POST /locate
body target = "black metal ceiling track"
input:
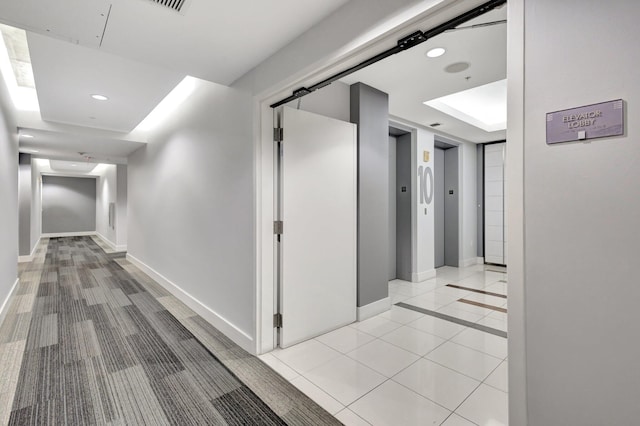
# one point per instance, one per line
(403, 44)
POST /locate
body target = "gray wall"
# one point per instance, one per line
(392, 208)
(8, 195)
(370, 111)
(191, 203)
(582, 210)
(438, 195)
(24, 206)
(451, 207)
(480, 198)
(68, 204)
(403, 208)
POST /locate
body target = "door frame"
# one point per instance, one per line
(265, 337)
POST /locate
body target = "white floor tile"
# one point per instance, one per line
(452, 291)
(437, 326)
(349, 418)
(499, 379)
(376, 326)
(345, 339)
(426, 301)
(401, 315)
(455, 420)
(397, 298)
(493, 323)
(306, 355)
(487, 299)
(440, 384)
(413, 340)
(464, 360)
(458, 313)
(278, 366)
(345, 379)
(483, 342)
(479, 310)
(486, 407)
(498, 315)
(322, 398)
(500, 288)
(383, 357)
(392, 404)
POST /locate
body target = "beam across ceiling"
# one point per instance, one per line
(403, 44)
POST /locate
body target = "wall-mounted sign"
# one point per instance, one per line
(586, 122)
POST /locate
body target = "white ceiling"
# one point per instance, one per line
(217, 41)
(135, 52)
(410, 78)
(67, 74)
(68, 146)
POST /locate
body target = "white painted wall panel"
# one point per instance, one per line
(495, 203)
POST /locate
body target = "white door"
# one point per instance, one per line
(318, 244)
(495, 228)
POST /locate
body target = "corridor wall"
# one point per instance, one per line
(191, 208)
(581, 210)
(9, 197)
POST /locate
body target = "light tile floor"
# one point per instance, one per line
(403, 367)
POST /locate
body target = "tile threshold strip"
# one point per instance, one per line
(482, 305)
(449, 318)
(475, 290)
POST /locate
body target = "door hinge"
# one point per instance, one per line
(278, 227)
(277, 321)
(278, 134)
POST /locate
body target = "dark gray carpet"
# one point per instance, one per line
(101, 349)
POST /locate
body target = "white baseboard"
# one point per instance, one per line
(417, 277)
(373, 309)
(5, 304)
(231, 331)
(471, 261)
(111, 245)
(30, 257)
(68, 234)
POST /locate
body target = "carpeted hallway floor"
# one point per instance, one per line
(98, 342)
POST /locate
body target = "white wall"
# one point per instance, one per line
(423, 224)
(191, 208)
(468, 204)
(9, 197)
(581, 210)
(106, 193)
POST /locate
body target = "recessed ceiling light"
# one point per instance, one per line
(73, 165)
(435, 52)
(27, 136)
(99, 97)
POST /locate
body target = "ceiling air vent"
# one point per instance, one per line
(435, 124)
(177, 5)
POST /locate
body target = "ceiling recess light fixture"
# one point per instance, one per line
(435, 52)
(99, 97)
(484, 106)
(26, 136)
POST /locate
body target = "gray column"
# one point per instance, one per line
(370, 111)
(24, 205)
